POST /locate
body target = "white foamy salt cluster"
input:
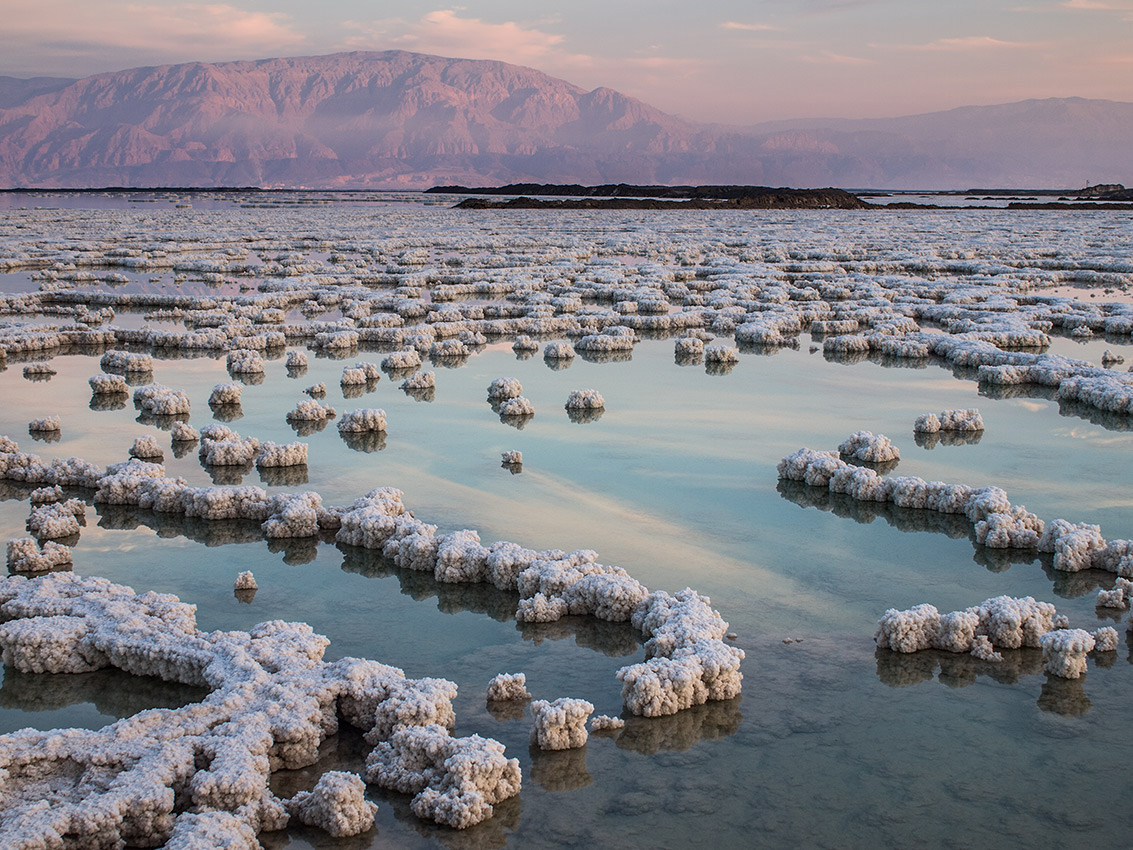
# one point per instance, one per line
(689, 347)
(26, 556)
(512, 457)
(518, 406)
(998, 523)
(504, 388)
(47, 423)
(54, 520)
(296, 360)
(558, 351)
(289, 454)
(408, 358)
(420, 381)
(246, 581)
(146, 448)
(273, 701)
(363, 419)
(606, 723)
(1065, 651)
(524, 343)
(508, 686)
(560, 724)
(588, 399)
(183, 432)
(316, 390)
(869, 448)
(221, 446)
(160, 400)
(968, 419)
(107, 384)
(244, 361)
(360, 373)
(1119, 597)
(125, 361)
(226, 393)
(721, 354)
(310, 411)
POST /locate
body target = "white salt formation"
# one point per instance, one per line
(26, 556)
(504, 388)
(124, 361)
(585, 400)
(869, 448)
(558, 351)
(296, 360)
(39, 370)
(43, 495)
(721, 354)
(605, 723)
(364, 419)
(245, 361)
(512, 457)
(316, 390)
(518, 406)
(183, 432)
(147, 448)
(310, 411)
(1064, 652)
(290, 454)
(47, 423)
(360, 373)
(107, 384)
(420, 381)
(161, 400)
(57, 519)
(506, 686)
(399, 360)
(561, 723)
(226, 393)
(949, 420)
(246, 581)
(273, 701)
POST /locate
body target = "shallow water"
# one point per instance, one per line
(832, 744)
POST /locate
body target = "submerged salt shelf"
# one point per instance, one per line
(676, 483)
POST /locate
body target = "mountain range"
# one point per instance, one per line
(406, 120)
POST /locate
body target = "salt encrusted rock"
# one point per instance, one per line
(508, 686)
(296, 360)
(25, 556)
(560, 724)
(47, 423)
(210, 830)
(908, 631)
(869, 448)
(310, 411)
(245, 361)
(364, 419)
(524, 343)
(513, 456)
(504, 388)
(721, 354)
(227, 393)
(1065, 650)
(58, 519)
(232, 450)
(398, 360)
(360, 373)
(44, 495)
(588, 399)
(949, 420)
(606, 723)
(336, 805)
(123, 361)
(456, 781)
(1106, 639)
(246, 581)
(107, 384)
(161, 400)
(1006, 622)
(316, 390)
(518, 406)
(689, 347)
(558, 351)
(289, 454)
(183, 432)
(147, 448)
(420, 381)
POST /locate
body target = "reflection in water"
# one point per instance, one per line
(619, 356)
(112, 691)
(557, 364)
(957, 669)
(184, 447)
(165, 423)
(880, 467)
(307, 427)
(477, 597)
(209, 532)
(687, 359)
(1107, 419)
(284, 476)
(359, 390)
(559, 770)
(1064, 696)
(518, 421)
(491, 834)
(583, 415)
(954, 526)
(505, 710)
(932, 439)
(683, 730)
(1008, 391)
(229, 473)
(108, 401)
(227, 412)
(296, 371)
(245, 595)
(613, 639)
(364, 441)
(449, 362)
(45, 436)
(425, 394)
(718, 368)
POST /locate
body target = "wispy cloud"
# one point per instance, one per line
(827, 57)
(966, 43)
(445, 32)
(736, 25)
(186, 31)
(1100, 5)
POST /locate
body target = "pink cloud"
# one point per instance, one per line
(735, 25)
(965, 43)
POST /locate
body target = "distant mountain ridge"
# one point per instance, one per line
(404, 120)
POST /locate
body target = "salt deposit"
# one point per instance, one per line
(226, 393)
(560, 724)
(585, 400)
(507, 686)
(511, 457)
(47, 423)
(504, 388)
(364, 419)
(949, 420)
(869, 447)
(246, 581)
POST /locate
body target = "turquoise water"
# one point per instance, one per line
(832, 744)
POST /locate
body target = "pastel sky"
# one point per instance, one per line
(731, 61)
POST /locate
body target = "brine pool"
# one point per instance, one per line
(832, 743)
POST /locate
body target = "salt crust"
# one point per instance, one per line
(588, 399)
(560, 724)
(949, 420)
(273, 700)
(869, 448)
(513, 456)
(364, 419)
(246, 581)
(687, 661)
(504, 388)
(508, 686)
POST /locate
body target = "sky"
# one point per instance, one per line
(727, 61)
